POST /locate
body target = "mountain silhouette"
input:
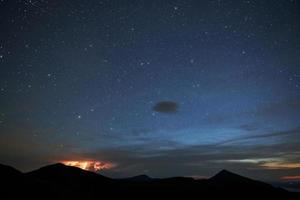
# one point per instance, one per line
(225, 175)
(228, 181)
(229, 177)
(8, 172)
(59, 181)
(62, 173)
(141, 178)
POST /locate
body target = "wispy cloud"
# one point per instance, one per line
(258, 136)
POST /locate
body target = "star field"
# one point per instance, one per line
(167, 88)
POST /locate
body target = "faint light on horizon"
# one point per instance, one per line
(291, 178)
(89, 165)
(198, 177)
(254, 160)
(266, 163)
(280, 165)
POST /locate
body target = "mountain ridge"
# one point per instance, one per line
(58, 180)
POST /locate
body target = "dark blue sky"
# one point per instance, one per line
(166, 88)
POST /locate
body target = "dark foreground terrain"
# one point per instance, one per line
(64, 182)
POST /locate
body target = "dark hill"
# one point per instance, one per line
(8, 173)
(140, 178)
(63, 174)
(226, 181)
(64, 182)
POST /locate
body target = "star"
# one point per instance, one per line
(103, 78)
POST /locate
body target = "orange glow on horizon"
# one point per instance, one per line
(290, 178)
(89, 165)
(280, 165)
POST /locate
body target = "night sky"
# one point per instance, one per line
(164, 88)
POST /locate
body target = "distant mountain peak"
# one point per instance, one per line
(142, 177)
(227, 176)
(58, 178)
(7, 167)
(225, 172)
(8, 171)
(56, 165)
(61, 172)
(229, 181)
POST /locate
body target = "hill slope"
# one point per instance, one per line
(64, 182)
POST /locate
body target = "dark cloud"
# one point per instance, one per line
(166, 107)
